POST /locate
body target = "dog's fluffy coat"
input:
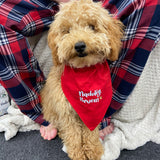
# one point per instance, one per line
(87, 22)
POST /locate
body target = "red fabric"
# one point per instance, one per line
(89, 91)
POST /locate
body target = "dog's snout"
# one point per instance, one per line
(80, 47)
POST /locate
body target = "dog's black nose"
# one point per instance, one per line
(80, 47)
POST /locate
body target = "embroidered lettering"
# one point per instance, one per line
(91, 96)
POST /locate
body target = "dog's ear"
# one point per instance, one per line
(114, 30)
(51, 43)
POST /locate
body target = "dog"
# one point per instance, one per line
(82, 35)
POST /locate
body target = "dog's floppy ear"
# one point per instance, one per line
(114, 30)
(51, 43)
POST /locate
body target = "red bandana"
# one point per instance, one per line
(89, 91)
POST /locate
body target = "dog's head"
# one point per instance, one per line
(83, 34)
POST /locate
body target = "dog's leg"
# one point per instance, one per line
(91, 144)
(58, 111)
(71, 134)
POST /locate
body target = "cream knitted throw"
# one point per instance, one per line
(135, 124)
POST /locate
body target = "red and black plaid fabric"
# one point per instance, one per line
(20, 73)
(142, 32)
(19, 70)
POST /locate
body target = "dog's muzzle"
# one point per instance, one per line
(80, 48)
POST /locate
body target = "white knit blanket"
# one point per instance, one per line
(15, 121)
(135, 124)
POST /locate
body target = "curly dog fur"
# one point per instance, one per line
(87, 22)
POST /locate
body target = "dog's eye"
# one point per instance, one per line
(92, 27)
(65, 30)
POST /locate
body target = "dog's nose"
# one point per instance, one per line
(80, 47)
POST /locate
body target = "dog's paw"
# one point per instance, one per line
(94, 152)
(78, 156)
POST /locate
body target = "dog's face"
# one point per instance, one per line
(84, 34)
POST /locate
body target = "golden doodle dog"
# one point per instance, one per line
(82, 35)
